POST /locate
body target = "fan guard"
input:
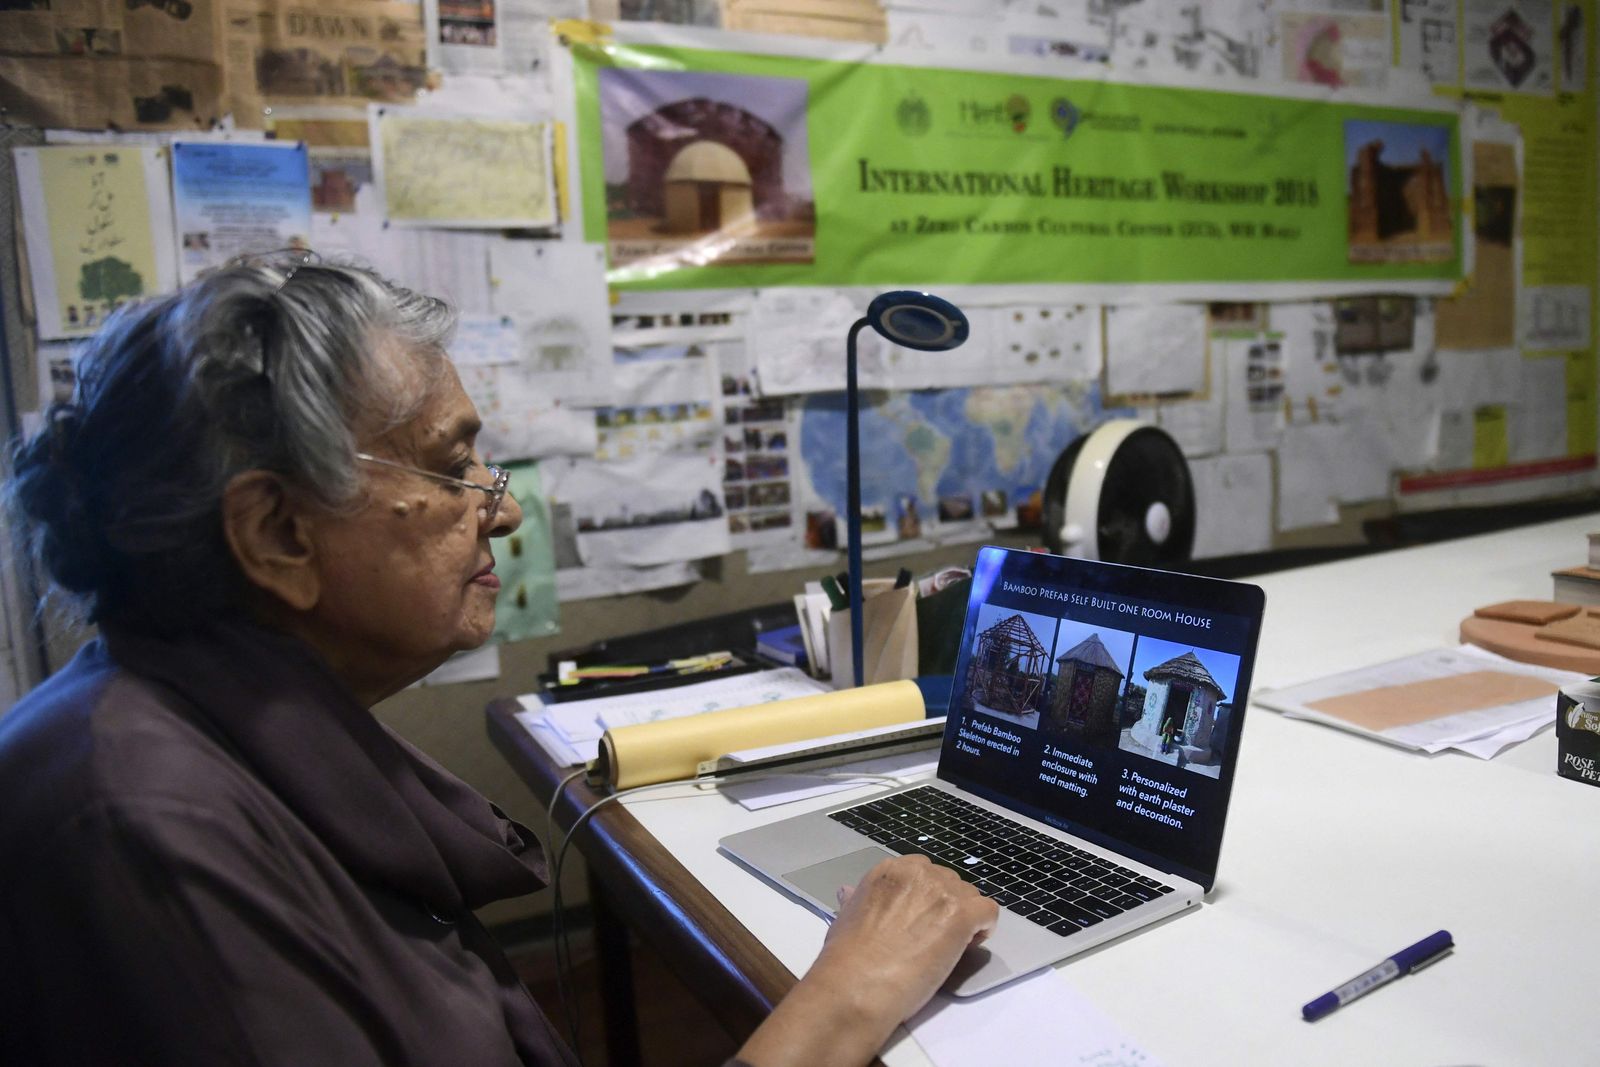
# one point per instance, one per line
(1121, 493)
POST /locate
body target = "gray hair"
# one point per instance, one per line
(270, 363)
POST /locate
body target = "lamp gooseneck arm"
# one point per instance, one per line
(853, 501)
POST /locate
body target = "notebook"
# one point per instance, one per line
(1085, 766)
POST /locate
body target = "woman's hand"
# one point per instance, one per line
(896, 938)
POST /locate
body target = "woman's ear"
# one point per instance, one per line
(269, 532)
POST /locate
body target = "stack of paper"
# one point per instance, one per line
(570, 731)
(1462, 698)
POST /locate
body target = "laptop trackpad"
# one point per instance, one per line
(821, 881)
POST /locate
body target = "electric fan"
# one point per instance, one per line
(1121, 493)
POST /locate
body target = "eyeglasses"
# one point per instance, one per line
(298, 257)
(496, 491)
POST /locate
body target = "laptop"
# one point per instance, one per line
(1085, 766)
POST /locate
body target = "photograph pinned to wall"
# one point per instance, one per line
(1339, 51)
(97, 221)
(1188, 705)
(1399, 192)
(231, 198)
(1428, 33)
(756, 434)
(1253, 402)
(340, 152)
(352, 53)
(525, 564)
(704, 13)
(461, 171)
(556, 292)
(1507, 45)
(704, 169)
(57, 363)
(463, 35)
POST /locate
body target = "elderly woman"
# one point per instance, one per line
(266, 494)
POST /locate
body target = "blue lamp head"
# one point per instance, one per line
(917, 320)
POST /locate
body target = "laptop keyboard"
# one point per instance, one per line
(1046, 881)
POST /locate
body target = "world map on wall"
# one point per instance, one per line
(945, 447)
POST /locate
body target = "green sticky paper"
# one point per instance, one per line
(525, 562)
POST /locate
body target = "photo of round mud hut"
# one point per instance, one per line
(1088, 681)
(1187, 705)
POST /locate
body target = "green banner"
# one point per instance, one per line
(711, 170)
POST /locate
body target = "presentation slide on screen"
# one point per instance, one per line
(1101, 712)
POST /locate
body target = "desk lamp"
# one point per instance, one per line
(913, 320)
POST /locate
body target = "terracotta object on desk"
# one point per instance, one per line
(1495, 628)
(1582, 629)
(1532, 612)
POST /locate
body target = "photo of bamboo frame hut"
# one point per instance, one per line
(1009, 668)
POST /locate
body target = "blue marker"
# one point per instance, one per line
(1428, 950)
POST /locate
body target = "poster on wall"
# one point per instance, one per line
(97, 220)
(704, 170)
(230, 199)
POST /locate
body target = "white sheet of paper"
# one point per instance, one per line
(586, 583)
(556, 291)
(1233, 504)
(1431, 734)
(474, 665)
(769, 792)
(1539, 422)
(1428, 34)
(1253, 386)
(1555, 316)
(1155, 349)
(1036, 1021)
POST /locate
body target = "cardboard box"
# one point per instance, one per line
(1578, 731)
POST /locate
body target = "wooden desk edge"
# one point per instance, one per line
(730, 971)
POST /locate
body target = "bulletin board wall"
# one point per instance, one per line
(1347, 259)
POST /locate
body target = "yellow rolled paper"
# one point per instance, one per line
(675, 748)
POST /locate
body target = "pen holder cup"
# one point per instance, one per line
(889, 636)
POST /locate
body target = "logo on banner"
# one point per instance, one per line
(1017, 110)
(1013, 111)
(1065, 115)
(913, 116)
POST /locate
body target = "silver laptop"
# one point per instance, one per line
(1085, 768)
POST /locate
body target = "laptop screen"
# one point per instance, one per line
(1104, 700)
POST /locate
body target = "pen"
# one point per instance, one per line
(1415, 957)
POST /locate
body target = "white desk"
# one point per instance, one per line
(1339, 851)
